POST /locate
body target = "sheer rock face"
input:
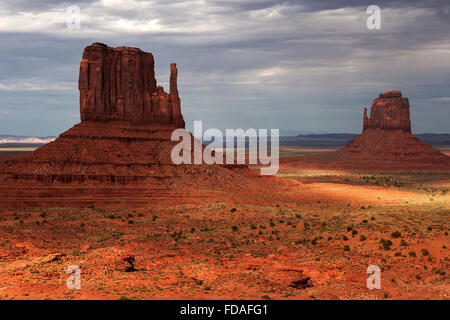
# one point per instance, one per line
(389, 111)
(118, 84)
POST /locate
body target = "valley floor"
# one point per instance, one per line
(323, 224)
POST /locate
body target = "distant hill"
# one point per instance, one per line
(329, 140)
(10, 141)
(322, 140)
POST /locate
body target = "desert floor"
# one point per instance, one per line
(323, 224)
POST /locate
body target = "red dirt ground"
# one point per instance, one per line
(243, 242)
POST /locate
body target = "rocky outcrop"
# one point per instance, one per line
(118, 84)
(390, 111)
(120, 153)
(386, 141)
(385, 144)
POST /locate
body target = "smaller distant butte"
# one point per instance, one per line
(385, 144)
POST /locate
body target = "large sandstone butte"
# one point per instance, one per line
(120, 152)
(118, 84)
(386, 142)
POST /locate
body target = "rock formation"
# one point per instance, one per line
(389, 111)
(118, 84)
(387, 142)
(120, 152)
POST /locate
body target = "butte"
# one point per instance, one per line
(385, 144)
(119, 155)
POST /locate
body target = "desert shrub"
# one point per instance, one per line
(386, 244)
(396, 234)
(403, 243)
(425, 252)
(314, 241)
(252, 226)
(234, 228)
(345, 238)
(354, 232)
(346, 248)
(412, 254)
(362, 238)
(233, 210)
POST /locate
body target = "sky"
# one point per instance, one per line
(307, 66)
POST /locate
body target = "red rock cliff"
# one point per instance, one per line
(118, 84)
(389, 111)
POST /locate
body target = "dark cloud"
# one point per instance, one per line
(39, 6)
(314, 5)
(295, 65)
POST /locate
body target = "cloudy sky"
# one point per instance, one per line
(306, 65)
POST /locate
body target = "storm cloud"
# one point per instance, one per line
(294, 65)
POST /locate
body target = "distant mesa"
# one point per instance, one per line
(120, 152)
